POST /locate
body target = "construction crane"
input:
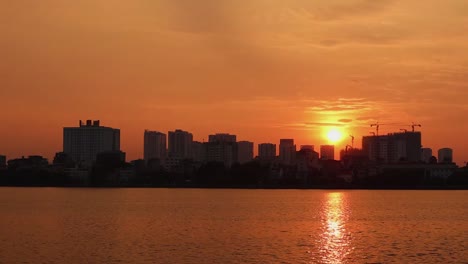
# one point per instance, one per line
(404, 130)
(352, 141)
(415, 125)
(376, 125)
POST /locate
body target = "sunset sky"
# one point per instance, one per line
(260, 69)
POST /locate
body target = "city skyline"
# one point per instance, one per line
(231, 131)
(260, 70)
(179, 144)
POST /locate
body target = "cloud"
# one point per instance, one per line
(205, 16)
(341, 105)
(361, 112)
(365, 118)
(322, 124)
(332, 10)
(308, 125)
(345, 9)
(228, 23)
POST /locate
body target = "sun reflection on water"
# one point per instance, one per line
(335, 243)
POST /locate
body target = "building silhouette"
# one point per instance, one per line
(307, 147)
(63, 160)
(426, 154)
(222, 148)
(266, 151)
(327, 152)
(84, 142)
(245, 151)
(353, 158)
(222, 137)
(111, 159)
(445, 155)
(31, 162)
(287, 151)
(2, 162)
(394, 147)
(180, 144)
(198, 152)
(154, 146)
(376, 148)
(307, 162)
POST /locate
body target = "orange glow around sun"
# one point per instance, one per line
(334, 135)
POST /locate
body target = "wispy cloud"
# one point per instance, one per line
(341, 105)
(309, 125)
(323, 124)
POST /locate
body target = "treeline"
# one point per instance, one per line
(216, 175)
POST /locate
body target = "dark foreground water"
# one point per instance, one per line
(53, 225)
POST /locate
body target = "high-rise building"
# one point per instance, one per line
(306, 162)
(222, 148)
(376, 148)
(445, 155)
(426, 154)
(353, 157)
(307, 147)
(327, 152)
(393, 147)
(222, 137)
(180, 144)
(221, 152)
(198, 151)
(266, 151)
(408, 147)
(2, 162)
(245, 151)
(287, 151)
(83, 143)
(307, 154)
(154, 146)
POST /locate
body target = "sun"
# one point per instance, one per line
(334, 135)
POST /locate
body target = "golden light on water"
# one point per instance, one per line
(335, 240)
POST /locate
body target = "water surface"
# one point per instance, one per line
(54, 225)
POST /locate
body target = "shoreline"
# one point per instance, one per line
(344, 188)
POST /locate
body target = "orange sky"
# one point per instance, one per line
(262, 69)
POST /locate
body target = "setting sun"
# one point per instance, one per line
(334, 135)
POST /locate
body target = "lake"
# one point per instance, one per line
(80, 225)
